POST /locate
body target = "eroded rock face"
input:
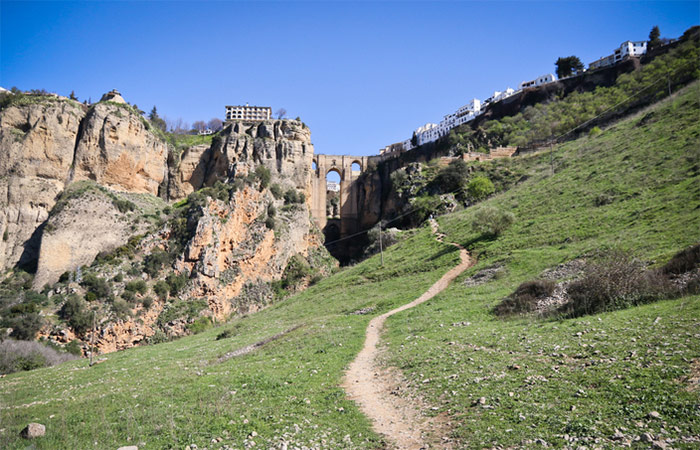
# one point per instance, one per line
(85, 226)
(231, 247)
(283, 146)
(37, 143)
(116, 150)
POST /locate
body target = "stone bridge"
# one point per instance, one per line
(347, 219)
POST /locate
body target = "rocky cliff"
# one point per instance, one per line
(86, 194)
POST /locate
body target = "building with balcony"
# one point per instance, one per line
(248, 113)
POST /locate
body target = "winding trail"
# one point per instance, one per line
(376, 389)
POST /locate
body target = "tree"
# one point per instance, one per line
(215, 124)
(281, 113)
(480, 187)
(72, 96)
(654, 38)
(569, 65)
(156, 120)
(199, 125)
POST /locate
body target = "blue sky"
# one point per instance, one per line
(362, 75)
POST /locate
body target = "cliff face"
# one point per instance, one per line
(38, 143)
(116, 150)
(78, 183)
(283, 146)
(48, 144)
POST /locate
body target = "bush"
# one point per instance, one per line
(480, 187)
(595, 131)
(199, 325)
(139, 286)
(683, 261)
(25, 326)
(176, 283)
(147, 302)
(270, 222)
(128, 296)
(27, 355)
(76, 315)
(292, 196)
(224, 335)
(73, 347)
(263, 175)
(155, 261)
(492, 221)
(161, 289)
(276, 191)
(118, 278)
(525, 297)
(452, 177)
(121, 308)
(98, 286)
(617, 281)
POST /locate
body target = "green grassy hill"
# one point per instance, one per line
(615, 367)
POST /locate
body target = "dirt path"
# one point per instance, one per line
(377, 390)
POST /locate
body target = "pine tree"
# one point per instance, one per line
(654, 38)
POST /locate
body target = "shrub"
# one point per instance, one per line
(617, 281)
(452, 177)
(25, 326)
(121, 308)
(139, 286)
(270, 222)
(98, 286)
(199, 325)
(128, 296)
(525, 298)
(161, 289)
(73, 347)
(123, 205)
(595, 131)
(224, 335)
(271, 210)
(480, 187)
(492, 221)
(176, 283)
(263, 175)
(276, 191)
(27, 355)
(118, 278)
(683, 261)
(147, 302)
(292, 196)
(76, 315)
(155, 261)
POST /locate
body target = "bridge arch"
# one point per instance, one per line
(348, 195)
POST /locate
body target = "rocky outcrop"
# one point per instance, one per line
(47, 142)
(232, 246)
(115, 149)
(283, 146)
(89, 223)
(37, 143)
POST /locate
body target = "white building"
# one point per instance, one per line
(629, 48)
(539, 81)
(626, 49)
(248, 113)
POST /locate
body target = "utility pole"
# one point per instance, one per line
(92, 338)
(381, 247)
(668, 77)
(551, 157)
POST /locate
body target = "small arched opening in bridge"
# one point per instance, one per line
(314, 166)
(333, 183)
(356, 168)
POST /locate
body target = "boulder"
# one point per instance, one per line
(33, 430)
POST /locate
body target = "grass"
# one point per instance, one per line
(173, 394)
(582, 378)
(614, 368)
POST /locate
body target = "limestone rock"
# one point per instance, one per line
(85, 226)
(116, 150)
(37, 143)
(33, 430)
